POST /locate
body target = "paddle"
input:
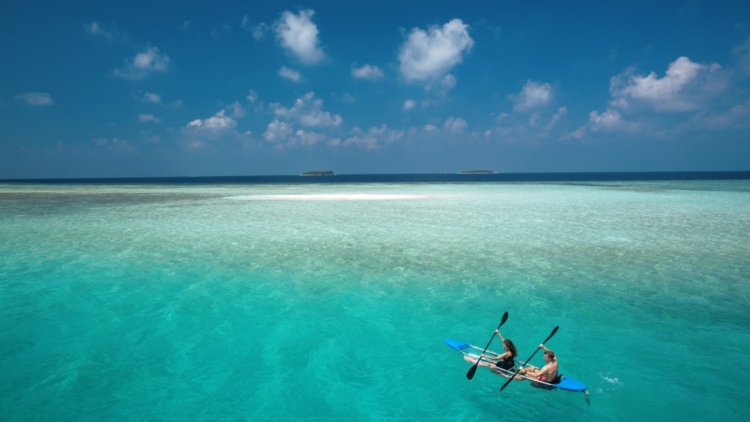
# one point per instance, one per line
(529, 359)
(473, 369)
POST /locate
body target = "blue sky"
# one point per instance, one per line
(115, 89)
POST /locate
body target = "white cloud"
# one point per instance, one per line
(299, 35)
(562, 111)
(448, 82)
(347, 98)
(258, 31)
(429, 128)
(307, 110)
(96, 29)
(278, 131)
(409, 104)
(310, 138)
(610, 120)
(148, 118)
(252, 96)
(454, 125)
(290, 74)
(681, 89)
(532, 95)
(426, 56)
(218, 123)
(487, 134)
(117, 145)
(36, 98)
(367, 72)
(576, 134)
(236, 110)
(743, 55)
(372, 138)
(199, 133)
(152, 98)
(144, 63)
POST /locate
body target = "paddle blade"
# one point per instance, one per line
(472, 371)
(508, 382)
(502, 321)
(553, 333)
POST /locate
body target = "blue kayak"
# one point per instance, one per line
(471, 354)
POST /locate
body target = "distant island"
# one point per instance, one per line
(318, 173)
(476, 172)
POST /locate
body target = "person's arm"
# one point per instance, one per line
(499, 334)
(498, 357)
(548, 350)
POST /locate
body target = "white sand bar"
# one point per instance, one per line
(327, 197)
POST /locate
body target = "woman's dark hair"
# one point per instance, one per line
(511, 347)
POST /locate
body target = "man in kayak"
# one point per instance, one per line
(548, 373)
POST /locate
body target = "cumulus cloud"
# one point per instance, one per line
(290, 74)
(448, 82)
(426, 56)
(373, 137)
(608, 121)
(216, 123)
(347, 98)
(682, 88)
(207, 134)
(367, 72)
(96, 29)
(562, 111)
(143, 64)
(117, 145)
(148, 118)
(258, 30)
(307, 110)
(236, 110)
(299, 35)
(532, 95)
(409, 104)
(742, 52)
(277, 131)
(252, 96)
(454, 125)
(36, 98)
(152, 98)
(310, 138)
(576, 134)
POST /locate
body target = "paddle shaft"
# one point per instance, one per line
(528, 360)
(473, 369)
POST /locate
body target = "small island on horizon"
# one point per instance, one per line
(477, 172)
(318, 173)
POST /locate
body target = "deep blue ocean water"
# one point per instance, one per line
(327, 298)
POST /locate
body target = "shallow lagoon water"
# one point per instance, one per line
(331, 302)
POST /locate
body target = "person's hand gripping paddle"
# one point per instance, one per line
(528, 360)
(473, 369)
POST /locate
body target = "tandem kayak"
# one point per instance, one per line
(471, 354)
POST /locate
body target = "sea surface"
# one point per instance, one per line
(329, 299)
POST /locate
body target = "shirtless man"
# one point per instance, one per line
(547, 373)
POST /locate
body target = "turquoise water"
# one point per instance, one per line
(331, 302)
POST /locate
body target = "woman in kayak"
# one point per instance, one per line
(504, 361)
